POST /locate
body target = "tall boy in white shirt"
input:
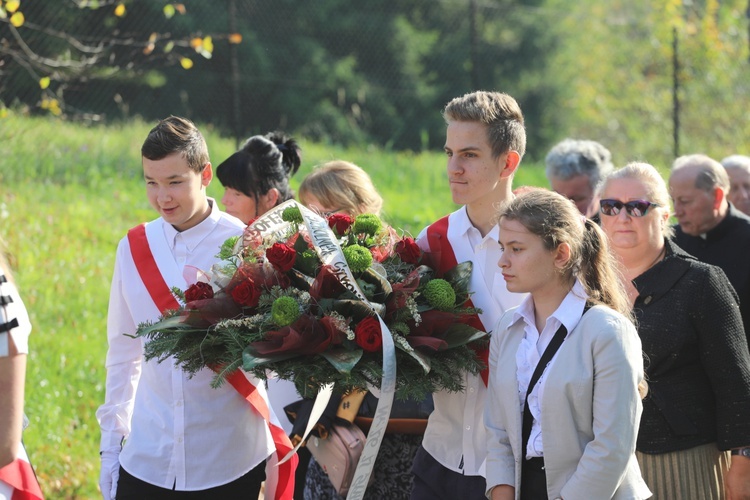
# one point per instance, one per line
(182, 438)
(485, 140)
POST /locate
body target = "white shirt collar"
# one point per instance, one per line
(193, 236)
(568, 313)
(464, 227)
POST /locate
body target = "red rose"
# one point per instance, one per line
(340, 222)
(281, 256)
(246, 293)
(408, 250)
(199, 291)
(367, 334)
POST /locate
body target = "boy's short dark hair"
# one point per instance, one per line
(176, 135)
(498, 111)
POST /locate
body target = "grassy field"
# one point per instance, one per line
(68, 193)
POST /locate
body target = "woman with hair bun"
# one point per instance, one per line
(256, 178)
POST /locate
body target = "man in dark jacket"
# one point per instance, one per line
(710, 228)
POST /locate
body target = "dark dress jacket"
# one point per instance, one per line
(727, 246)
(695, 357)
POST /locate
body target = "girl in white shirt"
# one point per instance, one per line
(15, 470)
(577, 437)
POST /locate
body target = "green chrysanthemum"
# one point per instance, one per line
(440, 295)
(358, 257)
(367, 224)
(291, 214)
(284, 311)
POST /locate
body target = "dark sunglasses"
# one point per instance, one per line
(635, 208)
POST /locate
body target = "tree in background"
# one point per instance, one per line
(74, 58)
(348, 72)
(615, 69)
(379, 72)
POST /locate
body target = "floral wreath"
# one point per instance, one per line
(278, 303)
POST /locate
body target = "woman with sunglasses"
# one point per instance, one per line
(696, 354)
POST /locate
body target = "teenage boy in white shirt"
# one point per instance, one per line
(182, 438)
(485, 140)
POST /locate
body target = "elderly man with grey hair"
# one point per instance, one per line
(738, 169)
(575, 168)
(710, 227)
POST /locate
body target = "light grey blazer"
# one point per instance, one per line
(591, 410)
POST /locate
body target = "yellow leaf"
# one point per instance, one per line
(186, 63)
(168, 47)
(152, 37)
(196, 42)
(169, 11)
(17, 19)
(208, 44)
(44, 82)
(3, 112)
(12, 5)
(120, 10)
(180, 8)
(235, 38)
(54, 108)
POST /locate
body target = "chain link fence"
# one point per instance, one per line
(334, 70)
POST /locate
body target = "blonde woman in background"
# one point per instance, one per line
(340, 186)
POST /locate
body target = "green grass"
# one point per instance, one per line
(68, 193)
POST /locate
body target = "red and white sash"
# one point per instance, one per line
(440, 245)
(20, 476)
(279, 479)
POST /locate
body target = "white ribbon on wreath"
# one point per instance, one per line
(329, 251)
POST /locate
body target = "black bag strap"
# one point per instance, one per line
(547, 356)
(4, 301)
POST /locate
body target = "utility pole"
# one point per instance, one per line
(675, 94)
(235, 75)
(473, 42)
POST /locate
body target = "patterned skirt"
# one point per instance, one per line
(696, 473)
(392, 472)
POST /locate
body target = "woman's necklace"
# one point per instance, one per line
(657, 259)
(631, 275)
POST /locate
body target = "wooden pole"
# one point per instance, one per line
(473, 42)
(675, 94)
(235, 76)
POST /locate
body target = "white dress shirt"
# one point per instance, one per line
(20, 336)
(532, 347)
(455, 434)
(177, 431)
